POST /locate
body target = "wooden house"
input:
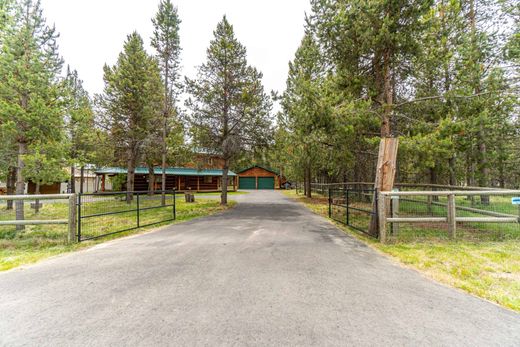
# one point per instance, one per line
(178, 178)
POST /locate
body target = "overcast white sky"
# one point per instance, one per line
(92, 32)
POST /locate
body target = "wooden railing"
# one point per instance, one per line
(70, 221)
(389, 201)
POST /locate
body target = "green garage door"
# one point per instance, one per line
(265, 182)
(247, 183)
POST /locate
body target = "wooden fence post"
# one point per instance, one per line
(452, 212)
(72, 218)
(381, 207)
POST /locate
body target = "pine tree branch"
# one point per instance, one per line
(434, 97)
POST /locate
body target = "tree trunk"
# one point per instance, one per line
(304, 182)
(11, 185)
(37, 202)
(151, 180)
(223, 195)
(484, 172)
(501, 173)
(308, 174)
(470, 170)
(167, 104)
(452, 168)
(386, 95)
(20, 183)
(130, 179)
(433, 180)
(163, 166)
(385, 176)
(481, 136)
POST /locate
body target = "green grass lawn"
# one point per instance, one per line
(488, 267)
(41, 241)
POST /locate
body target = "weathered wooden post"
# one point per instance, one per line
(385, 174)
(188, 196)
(72, 218)
(381, 210)
(452, 212)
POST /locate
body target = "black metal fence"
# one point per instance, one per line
(354, 207)
(107, 213)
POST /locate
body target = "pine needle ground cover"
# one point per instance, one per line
(485, 268)
(41, 241)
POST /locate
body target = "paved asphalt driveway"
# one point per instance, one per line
(269, 272)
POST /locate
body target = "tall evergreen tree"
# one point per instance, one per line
(303, 105)
(230, 112)
(30, 92)
(132, 102)
(7, 10)
(166, 42)
(79, 125)
(370, 44)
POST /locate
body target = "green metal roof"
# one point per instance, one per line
(175, 171)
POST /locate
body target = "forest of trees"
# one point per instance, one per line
(442, 75)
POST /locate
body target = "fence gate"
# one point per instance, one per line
(353, 207)
(107, 213)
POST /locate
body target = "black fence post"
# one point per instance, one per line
(174, 207)
(330, 204)
(376, 197)
(347, 206)
(391, 214)
(79, 217)
(137, 200)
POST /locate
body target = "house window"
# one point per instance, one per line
(208, 179)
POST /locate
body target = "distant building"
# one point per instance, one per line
(178, 178)
(259, 177)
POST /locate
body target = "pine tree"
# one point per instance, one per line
(7, 9)
(230, 112)
(132, 102)
(302, 102)
(30, 92)
(431, 139)
(79, 125)
(370, 45)
(7, 143)
(166, 42)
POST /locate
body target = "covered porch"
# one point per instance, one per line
(180, 179)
